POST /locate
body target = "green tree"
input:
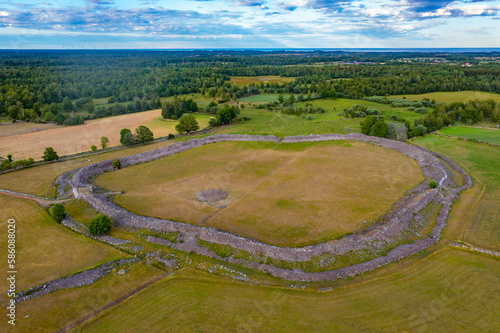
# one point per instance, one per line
(58, 212)
(281, 98)
(104, 142)
(67, 104)
(187, 123)
(100, 225)
(126, 137)
(433, 184)
(212, 122)
(117, 164)
(50, 155)
(9, 157)
(143, 134)
(227, 114)
(93, 147)
(366, 125)
(380, 129)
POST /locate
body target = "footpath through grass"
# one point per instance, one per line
(424, 298)
(483, 162)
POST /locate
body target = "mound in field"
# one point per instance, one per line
(211, 195)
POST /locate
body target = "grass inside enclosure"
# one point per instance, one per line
(287, 194)
(421, 299)
(482, 134)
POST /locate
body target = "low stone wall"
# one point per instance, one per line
(378, 235)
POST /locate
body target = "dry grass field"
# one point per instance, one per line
(46, 250)
(76, 139)
(455, 96)
(21, 128)
(271, 196)
(425, 298)
(244, 80)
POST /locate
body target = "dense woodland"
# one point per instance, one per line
(61, 86)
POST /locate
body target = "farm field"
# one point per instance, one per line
(483, 162)
(455, 96)
(38, 181)
(262, 98)
(486, 135)
(245, 80)
(46, 314)
(22, 127)
(46, 249)
(271, 198)
(76, 139)
(423, 298)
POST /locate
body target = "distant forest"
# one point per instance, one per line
(61, 86)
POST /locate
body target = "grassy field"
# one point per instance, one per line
(449, 97)
(21, 128)
(46, 250)
(486, 135)
(75, 139)
(276, 123)
(271, 197)
(425, 298)
(482, 162)
(262, 98)
(39, 180)
(54, 311)
(244, 80)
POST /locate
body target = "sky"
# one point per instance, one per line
(260, 24)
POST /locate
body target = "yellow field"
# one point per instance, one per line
(244, 80)
(456, 96)
(76, 139)
(21, 128)
(46, 250)
(290, 194)
(38, 181)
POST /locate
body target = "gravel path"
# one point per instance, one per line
(378, 235)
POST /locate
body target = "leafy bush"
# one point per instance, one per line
(170, 136)
(50, 155)
(93, 148)
(100, 225)
(187, 123)
(58, 212)
(433, 184)
(117, 164)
